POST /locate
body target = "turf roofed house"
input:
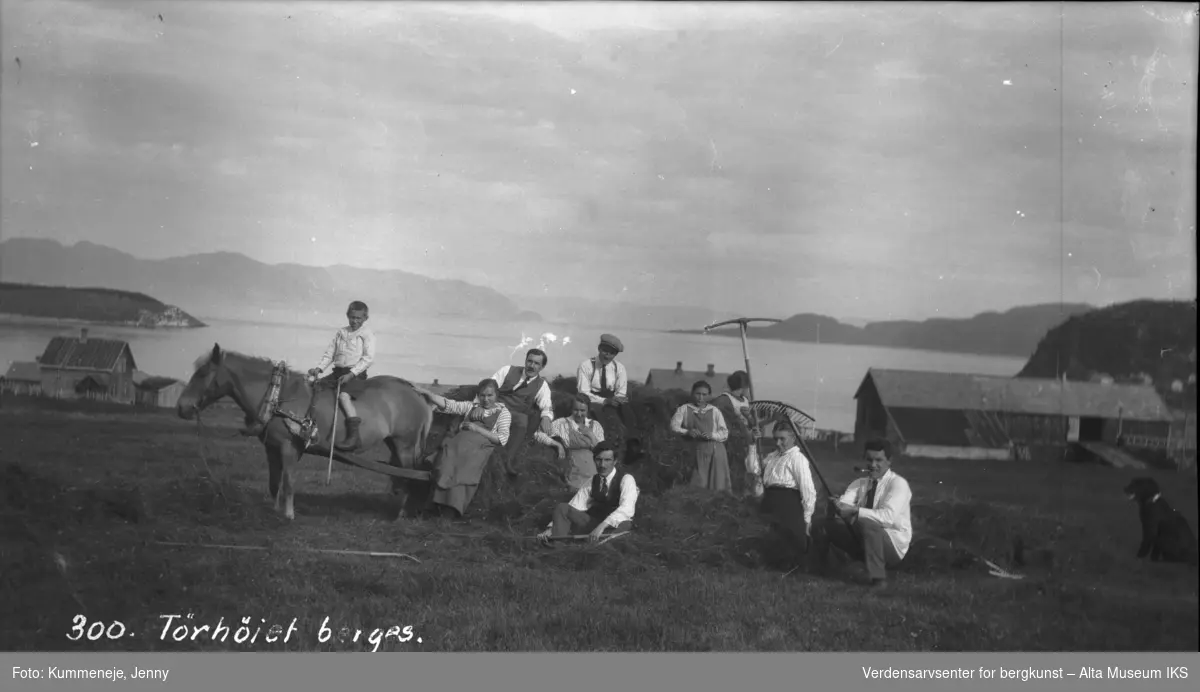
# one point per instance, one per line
(86, 368)
(962, 416)
(664, 380)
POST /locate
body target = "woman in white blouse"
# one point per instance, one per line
(790, 497)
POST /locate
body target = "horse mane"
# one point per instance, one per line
(206, 358)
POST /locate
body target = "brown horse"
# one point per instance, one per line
(392, 412)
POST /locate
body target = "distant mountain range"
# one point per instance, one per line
(608, 313)
(1015, 332)
(233, 285)
(99, 305)
(1143, 340)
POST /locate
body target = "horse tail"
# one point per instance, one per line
(423, 433)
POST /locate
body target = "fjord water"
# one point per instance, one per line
(819, 378)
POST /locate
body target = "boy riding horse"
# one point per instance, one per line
(351, 352)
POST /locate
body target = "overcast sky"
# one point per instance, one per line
(873, 160)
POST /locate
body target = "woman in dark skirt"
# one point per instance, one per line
(735, 404)
(789, 497)
(465, 454)
(703, 424)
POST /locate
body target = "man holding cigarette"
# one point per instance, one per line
(877, 509)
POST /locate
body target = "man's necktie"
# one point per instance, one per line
(604, 487)
(871, 495)
(603, 377)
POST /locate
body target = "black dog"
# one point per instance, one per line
(1166, 535)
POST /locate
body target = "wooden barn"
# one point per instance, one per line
(24, 379)
(663, 379)
(1181, 447)
(949, 415)
(83, 367)
(158, 392)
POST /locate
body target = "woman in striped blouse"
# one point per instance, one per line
(574, 437)
(464, 455)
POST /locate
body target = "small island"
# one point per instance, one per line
(34, 303)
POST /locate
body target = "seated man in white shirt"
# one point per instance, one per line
(522, 391)
(607, 502)
(789, 496)
(877, 509)
(604, 380)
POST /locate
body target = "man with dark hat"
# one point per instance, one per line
(605, 383)
(608, 501)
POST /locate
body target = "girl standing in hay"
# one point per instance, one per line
(464, 455)
(737, 400)
(703, 424)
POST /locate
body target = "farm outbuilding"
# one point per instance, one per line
(83, 367)
(22, 378)
(161, 392)
(664, 379)
(951, 415)
(1181, 447)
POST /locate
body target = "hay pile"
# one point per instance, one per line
(665, 462)
(679, 526)
(959, 533)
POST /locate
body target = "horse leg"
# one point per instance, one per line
(289, 456)
(274, 471)
(402, 488)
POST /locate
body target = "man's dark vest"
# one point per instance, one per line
(519, 400)
(604, 506)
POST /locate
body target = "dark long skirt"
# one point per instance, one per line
(712, 466)
(459, 469)
(784, 509)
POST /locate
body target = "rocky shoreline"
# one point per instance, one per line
(147, 320)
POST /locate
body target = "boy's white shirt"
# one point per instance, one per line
(355, 350)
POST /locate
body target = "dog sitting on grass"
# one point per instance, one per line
(1166, 536)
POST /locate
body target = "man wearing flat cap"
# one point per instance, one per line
(603, 380)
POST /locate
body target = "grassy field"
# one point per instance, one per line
(90, 491)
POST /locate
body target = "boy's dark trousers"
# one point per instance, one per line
(616, 412)
(330, 382)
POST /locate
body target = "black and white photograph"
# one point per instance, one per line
(639, 327)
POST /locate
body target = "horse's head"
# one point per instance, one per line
(211, 382)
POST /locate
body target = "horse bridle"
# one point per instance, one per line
(267, 407)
